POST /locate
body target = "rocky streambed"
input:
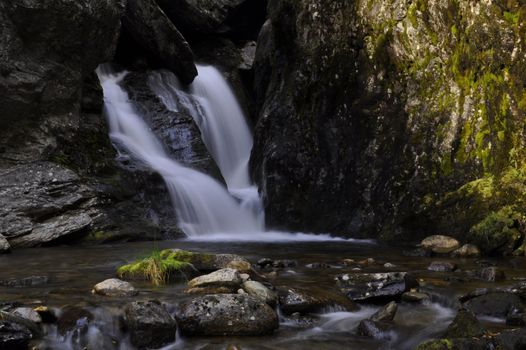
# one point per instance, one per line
(288, 295)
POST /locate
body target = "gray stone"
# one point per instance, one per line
(494, 304)
(258, 290)
(27, 313)
(440, 244)
(5, 247)
(149, 26)
(492, 274)
(466, 251)
(229, 278)
(115, 288)
(386, 313)
(442, 266)
(226, 315)
(149, 324)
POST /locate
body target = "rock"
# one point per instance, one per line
(492, 274)
(71, 318)
(149, 324)
(265, 262)
(464, 325)
(376, 287)
(258, 290)
(14, 336)
(150, 27)
(440, 244)
(516, 317)
(206, 261)
(415, 297)
(46, 314)
(5, 247)
(211, 290)
(318, 266)
(30, 281)
(386, 313)
(248, 54)
(466, 251)
(292, 300)
(239, 265)
(442, 266)
(389, 266)
(457, 344)
(511, 339)
(115, 288)
(494, 304)
(366, 262)
(27, 313)
(284, 263)
(226, 315)
(241, 18)
(373, 329)
(228, 278)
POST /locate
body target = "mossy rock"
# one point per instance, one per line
(440, 344)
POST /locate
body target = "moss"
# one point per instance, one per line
(158, 267)
(440, 344)
(499, 231)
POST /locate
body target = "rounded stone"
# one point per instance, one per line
(114, 287)
(440, 244)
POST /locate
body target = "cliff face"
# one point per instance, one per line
(393, 118)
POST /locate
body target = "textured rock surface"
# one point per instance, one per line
(393, 118)
(258, 290)
(376, 287)
(150, 325)
(226, 314)
(440, 244)
(14, 336)
(5, 247)
(115, 288)
(149, 26)
(464, 325)
(221, 278)
(494, 304)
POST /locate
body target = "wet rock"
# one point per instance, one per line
(14, 336)
(366, 262)
(466, 251)
(149, 26)
(5, 247)
(258, 290)
(373, 329)
(115, 288)
(415, 297)
(376, 287)
(386, 313)
(73, 317)
(494, 304)
(239, 265)
(30, 281)
(318, 266)
(417, 253)
(442, 266)
(303, 321)
(211, 290)
(440, 244)
(296, 300)
(27, 313)
(516, 317)
(284, 263)
(206, 261)
(46, 314)
(228, 278)
(492, 274)
(389, 266)
(226, 314)
(265, 262)
(149, 324)
(464, 325)
(457, 344)
(511, 339)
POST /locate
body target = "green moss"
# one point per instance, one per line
(512, 17)
(158, 267)
(440, 344)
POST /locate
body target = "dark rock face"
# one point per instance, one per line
(149, 324)
(465, 325)
(378, 119)
(14, 336)
(149, 26)
(373, 329)
(376, 287)
(494, 304)
(239, 18)
(226, 314)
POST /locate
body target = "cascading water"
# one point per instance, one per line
(203, 206)
(223, 126)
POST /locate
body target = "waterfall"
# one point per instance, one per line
(224, 130)
(202, 204)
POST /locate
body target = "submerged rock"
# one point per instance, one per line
(30, 281)
(376, 287)
(374, 329)
(5, 247)
(440, 244)
(115, 288)
(494, 304)
(442, 266)
(149, 324)
(226, 314)
(466, 251)
(492, 274)
(386, 313)
(464, 325)
(149, 26)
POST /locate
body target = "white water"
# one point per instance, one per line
(203, 206)
(224, 130)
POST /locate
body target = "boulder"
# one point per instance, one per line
(226, 315)
(5, 247)
(228, 278)
(150, 28)
(492, 274)
(241, 266)
(73, 317)
(376, 287)
(149, 324)
(376, 330)
(442, 266)
(258, 290)
(28, 313)
(440, 244)
(466, 251)
(115, 288)
(514, 339)
(415, 297)
(206, 262)
(292, 300)
(14, 336)
(494, 304)
(386, 313)
(464, 325)
(30, 281)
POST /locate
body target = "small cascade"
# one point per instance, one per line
(224, 130)
(202, 204)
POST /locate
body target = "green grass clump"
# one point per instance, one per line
(158, 267)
